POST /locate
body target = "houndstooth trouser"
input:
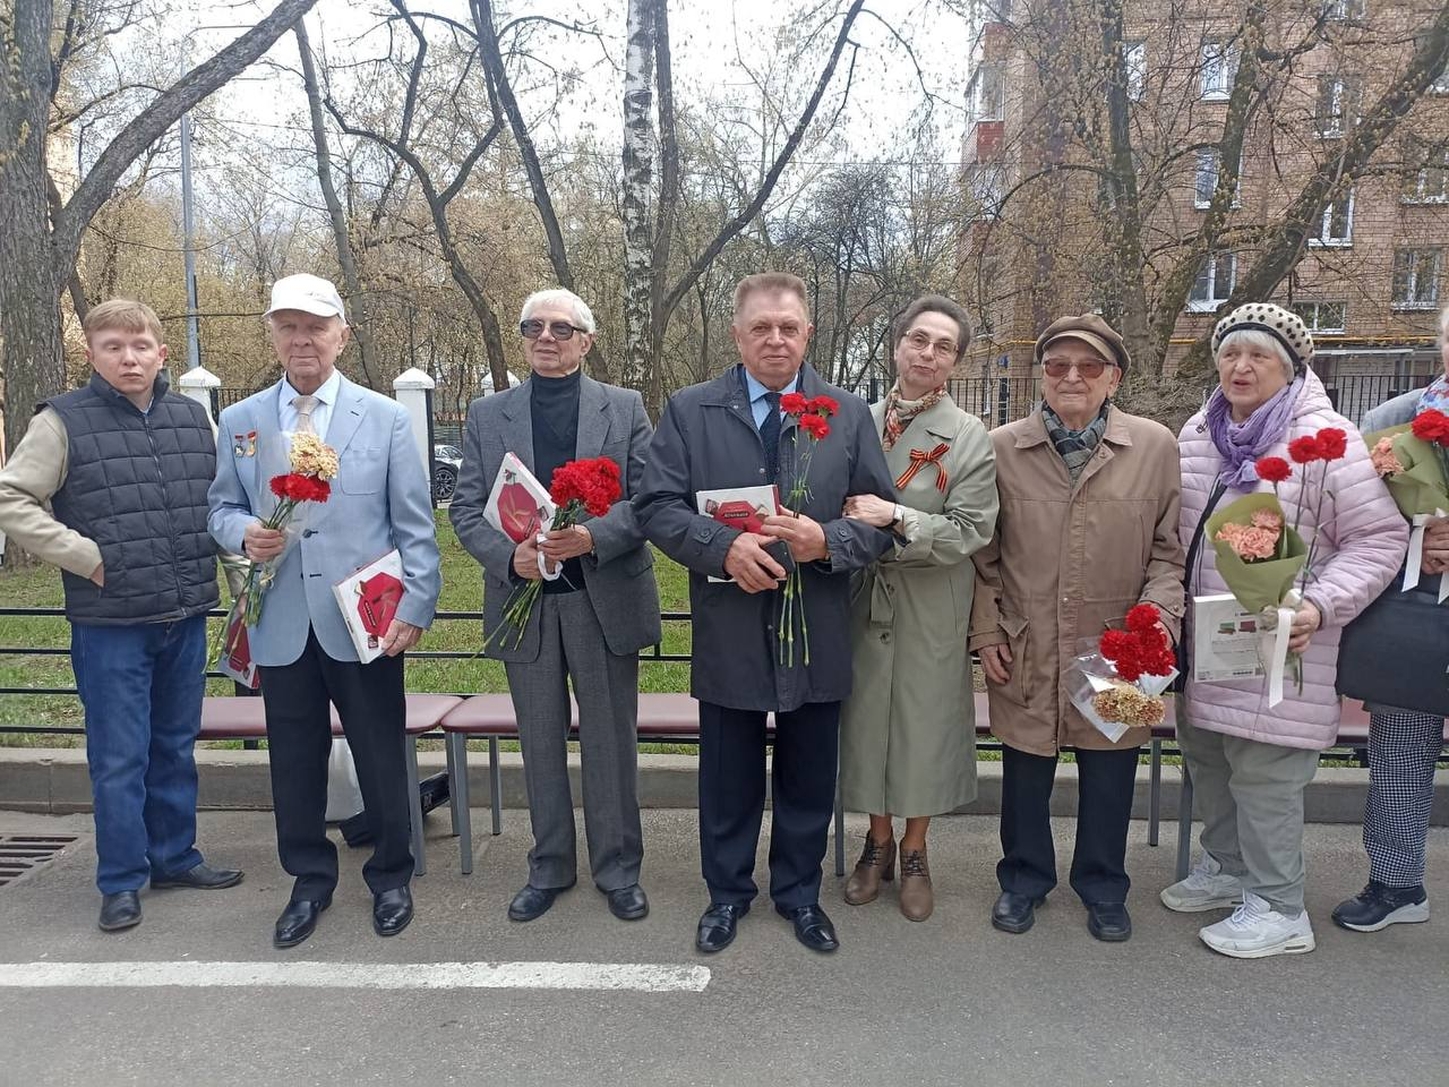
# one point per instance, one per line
(1403, 749)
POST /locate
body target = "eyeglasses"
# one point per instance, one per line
(532, 329)
(921, 342)
(1089, 370)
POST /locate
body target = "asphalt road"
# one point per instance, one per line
(950, 1001)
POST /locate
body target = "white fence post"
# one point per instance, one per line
(198, 384)
(413, 389)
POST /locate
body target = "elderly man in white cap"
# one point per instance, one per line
(380, 501)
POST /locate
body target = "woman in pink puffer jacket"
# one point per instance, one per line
(1250, 764)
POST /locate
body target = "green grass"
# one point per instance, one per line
(39, 587)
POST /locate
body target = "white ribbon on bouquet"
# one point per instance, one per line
(1273, 643)
(544, 571)
(1415, 559)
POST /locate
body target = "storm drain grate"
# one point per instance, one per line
(24, 853)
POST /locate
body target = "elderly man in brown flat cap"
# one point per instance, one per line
(1087, 529)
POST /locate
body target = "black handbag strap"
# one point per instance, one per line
(1179, 685)
(1214, 496)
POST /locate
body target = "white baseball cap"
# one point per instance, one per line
(308, 293)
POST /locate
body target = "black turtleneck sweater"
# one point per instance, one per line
(554, 407)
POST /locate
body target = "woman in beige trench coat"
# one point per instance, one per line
(908, 730)
(1088, 528)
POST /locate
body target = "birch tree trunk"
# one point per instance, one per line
(640, 146)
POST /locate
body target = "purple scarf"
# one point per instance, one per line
(1240, 444)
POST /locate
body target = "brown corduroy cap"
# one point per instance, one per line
(1090, 329)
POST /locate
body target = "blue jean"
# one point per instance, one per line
(141, 686)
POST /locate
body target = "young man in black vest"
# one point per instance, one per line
(109, 484)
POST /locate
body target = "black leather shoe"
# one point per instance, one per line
(1109, 921)
(203, 877)
(120, 910)
(812, 927)
(1014, 912)
(391, 911)
(533, 902)
(629, 903)
(298, 920)
(717, 926)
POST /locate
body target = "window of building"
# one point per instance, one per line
(1219, 66)
(1338, 98)
(1214, 282)
(1341, 10)
(1134, 63)
(1335, 227)
(988, 102)
(1416, 278)
(1323, 316)
(1429, 184)
(1209, 161)
(988, 189)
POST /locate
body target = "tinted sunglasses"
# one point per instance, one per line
(1088, 370)
(532, 329)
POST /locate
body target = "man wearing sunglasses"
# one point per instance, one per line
(588, 625)
(1087, 529)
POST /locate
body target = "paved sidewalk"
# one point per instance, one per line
(950, 1001)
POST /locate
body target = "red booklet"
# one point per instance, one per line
(369, 599)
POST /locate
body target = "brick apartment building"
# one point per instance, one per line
(1373, 275)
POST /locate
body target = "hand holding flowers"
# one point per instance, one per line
(581, 486)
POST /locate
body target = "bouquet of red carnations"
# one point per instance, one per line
(812, 426)
(578, 487)
(1259, 556)
(312, 464)
(1119, 682)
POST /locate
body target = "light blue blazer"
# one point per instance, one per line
(380, 500)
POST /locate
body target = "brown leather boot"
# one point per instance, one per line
(917, 901)
(877, 863)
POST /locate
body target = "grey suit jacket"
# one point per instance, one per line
(619, 575)
(380, 500)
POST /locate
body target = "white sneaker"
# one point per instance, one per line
(1206, 887)
(1256, 930)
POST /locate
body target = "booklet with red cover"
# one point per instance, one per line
(744, 508)
(369, 598)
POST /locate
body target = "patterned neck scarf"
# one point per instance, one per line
(1075, 446)
(899, 412)
(1435, 397)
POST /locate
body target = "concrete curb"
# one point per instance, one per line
(55, 781)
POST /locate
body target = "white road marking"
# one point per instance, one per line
(629, 977)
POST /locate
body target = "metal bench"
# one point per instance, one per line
(230, 718)
(663, 718)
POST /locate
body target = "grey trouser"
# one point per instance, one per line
(1249, 796)
(606, 687)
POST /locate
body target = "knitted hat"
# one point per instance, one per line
(1283, 325)
(1091, 330)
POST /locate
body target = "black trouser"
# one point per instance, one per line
(370, 702)
(732, 800)
(1105, 780)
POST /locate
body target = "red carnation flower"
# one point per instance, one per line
(1142, 619)
(794, 403)
(300, 488)
(824, 405)
(592, 484)
(814, 424)
(1304, 450)
(1432, 426)
(1272, 469)
(1332, 443)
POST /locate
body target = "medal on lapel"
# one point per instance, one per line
(244, 445)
